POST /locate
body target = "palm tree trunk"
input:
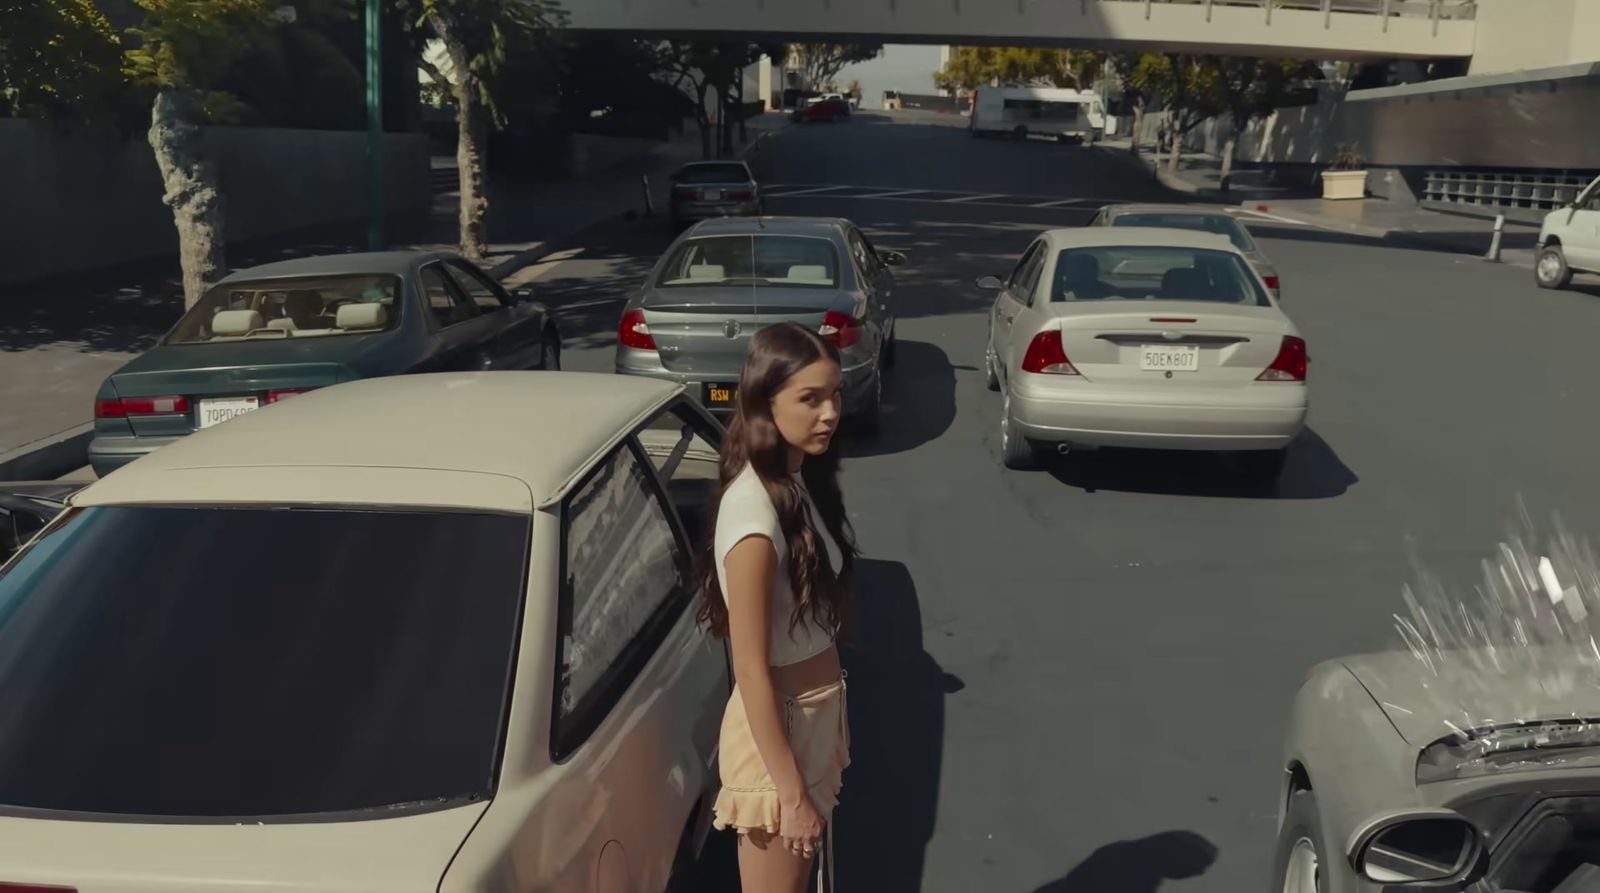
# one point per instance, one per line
(192, 191)
(1227, 158)
(1138, 126)
(744, 132)
(470, 150)
(1176, 153)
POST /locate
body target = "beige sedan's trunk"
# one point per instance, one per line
(379, 855)
(1200, 344)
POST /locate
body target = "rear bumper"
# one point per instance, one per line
(713, 210)
(857, 380)
(1260, 417)
(107, 454)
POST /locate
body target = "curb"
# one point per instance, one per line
(50, 457)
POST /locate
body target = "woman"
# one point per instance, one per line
(776, 585)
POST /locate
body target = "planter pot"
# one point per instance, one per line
(1344, 184)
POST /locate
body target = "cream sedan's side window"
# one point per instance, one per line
(623, 574)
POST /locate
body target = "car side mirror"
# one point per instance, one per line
(522, 295)
(1418, 847)
(989, 283)
(892, 258)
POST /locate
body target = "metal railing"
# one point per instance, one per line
(1520, 196)
(1437, 10)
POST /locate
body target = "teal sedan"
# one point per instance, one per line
(267, 333)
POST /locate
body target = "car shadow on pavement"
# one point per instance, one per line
(897, 715)
(614, 261)
(1138, 866)
(919, 402)
(1314, 471)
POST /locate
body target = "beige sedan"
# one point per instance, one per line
(1143, 337)
(425, 633)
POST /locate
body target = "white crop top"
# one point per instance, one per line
(746, 510)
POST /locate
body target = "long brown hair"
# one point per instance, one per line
(776, 353)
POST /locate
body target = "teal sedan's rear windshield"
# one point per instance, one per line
(1220, 224)
(733, 261)
(1157, 273)
(245, 662)
(275, 309)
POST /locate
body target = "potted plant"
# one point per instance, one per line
(1347, 176)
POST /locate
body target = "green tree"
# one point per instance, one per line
(820, 63)
(972, 67)
(184, 49)
(1249, 89)
(58, 56)
(1188, 90)
(477, 35)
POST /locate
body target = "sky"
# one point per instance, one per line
(904, 67)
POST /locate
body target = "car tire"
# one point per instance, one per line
(991, 376)
(1017, 453)
(1297, 865)
(1263, 467)
(1551, 270)
(1019, 132)
(869, 418)
(550, 351)
(887, 362)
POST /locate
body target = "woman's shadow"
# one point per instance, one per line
(1138, 866)
(896, 702)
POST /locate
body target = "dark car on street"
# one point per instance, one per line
(26, 507)
(822, 110)
(267, 333)
(707, 189)
(724, 280)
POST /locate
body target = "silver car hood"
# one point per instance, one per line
(1425, 706)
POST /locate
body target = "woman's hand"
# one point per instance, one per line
(801, 826)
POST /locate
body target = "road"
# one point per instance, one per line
(1075, 680)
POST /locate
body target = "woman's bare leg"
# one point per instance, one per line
(767, 866)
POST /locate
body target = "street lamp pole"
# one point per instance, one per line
(376, 198)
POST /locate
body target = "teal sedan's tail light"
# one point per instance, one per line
(275, 396)
(132, 406)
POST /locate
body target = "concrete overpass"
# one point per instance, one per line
(1318, 29)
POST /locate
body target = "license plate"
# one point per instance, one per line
(721, 394)
(712, 195)
(1169, 358)
(218, 410)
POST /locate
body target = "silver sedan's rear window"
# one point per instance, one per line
(741, 260)
(215, 663)
(1155, 273)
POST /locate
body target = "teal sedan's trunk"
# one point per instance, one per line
(209, 385)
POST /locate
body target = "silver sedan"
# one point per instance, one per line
(1195, 217)
(725, 279)
(1152, 338)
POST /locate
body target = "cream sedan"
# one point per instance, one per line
(425, 633)
(1143, 337)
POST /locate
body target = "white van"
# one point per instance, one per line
(1022, 111)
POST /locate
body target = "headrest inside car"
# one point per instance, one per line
(232, 323)
(362, 316)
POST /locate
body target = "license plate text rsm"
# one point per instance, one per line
(719, 395)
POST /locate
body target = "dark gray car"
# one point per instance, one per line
(708, 189)
(724, 280)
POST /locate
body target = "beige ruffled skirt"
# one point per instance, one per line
(819, 734)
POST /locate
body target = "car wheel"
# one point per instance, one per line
(869, 417)
(550, 351)
(1551, 270)
(991, 377)
(888, 352)
(1298, 862)
(1019, 132)
(1263, 467)
(1016, 452)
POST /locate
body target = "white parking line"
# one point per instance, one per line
(804, 191)
(973, 198)
(1279, 219)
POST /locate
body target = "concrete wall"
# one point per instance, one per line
(1515, 35)
(1546, 124)
(76, 202)
(1229, 27)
